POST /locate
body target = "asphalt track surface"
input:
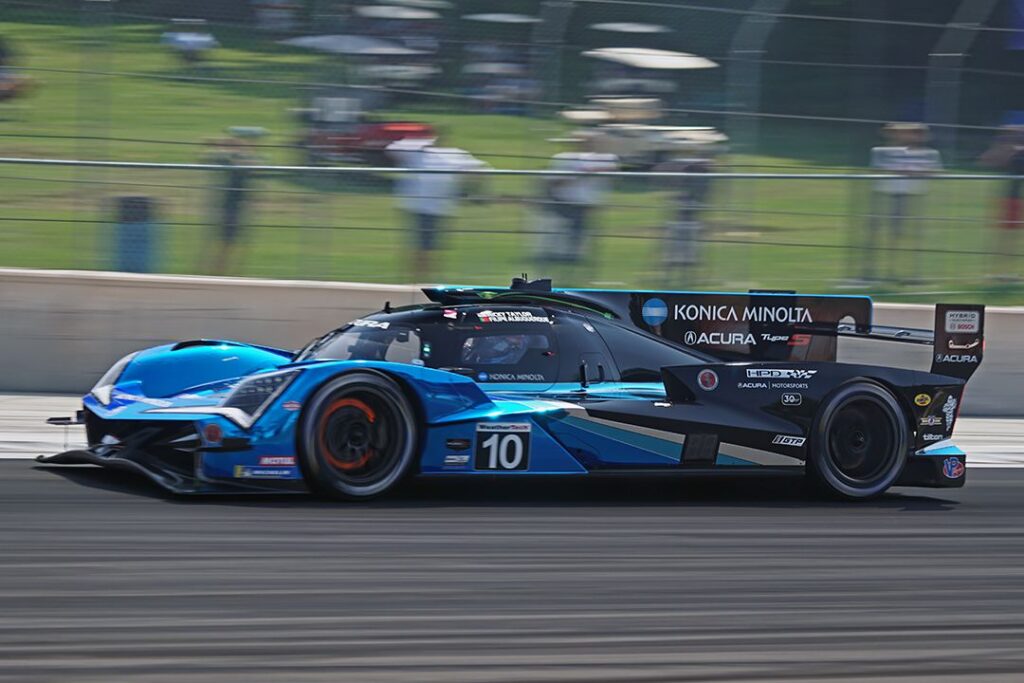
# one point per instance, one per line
(104, 578)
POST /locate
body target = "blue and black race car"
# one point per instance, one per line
(530, 380)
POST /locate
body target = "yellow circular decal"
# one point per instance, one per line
(922, 399)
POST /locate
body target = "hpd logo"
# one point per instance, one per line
(654, 312)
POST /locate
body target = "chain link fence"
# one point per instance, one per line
(943, 235)
(735, 86)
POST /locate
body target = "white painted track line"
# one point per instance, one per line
(989, 442)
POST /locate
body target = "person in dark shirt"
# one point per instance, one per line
(1006, 154)
(233, 191)
(680, 248)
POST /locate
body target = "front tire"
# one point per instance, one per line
(358, 437)
(859, 442)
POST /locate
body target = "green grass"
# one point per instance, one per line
(768, 234)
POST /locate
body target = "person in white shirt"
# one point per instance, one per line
(573, 198)
(429, 198)
(896, 200)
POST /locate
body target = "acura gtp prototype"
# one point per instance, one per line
(534, 381)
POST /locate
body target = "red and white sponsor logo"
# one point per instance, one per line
(707, 380)
(450, 313)
(277, 461)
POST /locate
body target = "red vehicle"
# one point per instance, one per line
(338, 132)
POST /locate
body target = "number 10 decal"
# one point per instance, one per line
(502, 446)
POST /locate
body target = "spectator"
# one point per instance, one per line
(1006, 154)
(430, 199)
(572, 199)
(895, 201)
(233, 190)
(680, 255)
(12, 84)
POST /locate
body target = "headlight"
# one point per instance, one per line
(253, 395)
(106, 383)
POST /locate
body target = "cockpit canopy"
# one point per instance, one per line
(504, 344)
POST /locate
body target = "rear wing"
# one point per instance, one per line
(957, 338)
(753, 326)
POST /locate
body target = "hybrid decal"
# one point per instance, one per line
(963, 322)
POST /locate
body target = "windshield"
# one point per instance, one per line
(506, 352)
(395, 343)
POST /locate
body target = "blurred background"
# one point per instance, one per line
(656, 144)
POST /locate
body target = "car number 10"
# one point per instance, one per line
(502, 446)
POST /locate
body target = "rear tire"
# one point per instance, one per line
(357, 437)
(859, 442)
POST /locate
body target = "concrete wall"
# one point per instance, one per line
(59, 330)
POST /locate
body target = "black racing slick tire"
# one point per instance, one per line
(859, 442)
(358, 437)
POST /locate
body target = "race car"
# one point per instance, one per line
(531, 380)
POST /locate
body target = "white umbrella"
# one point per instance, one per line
(423, 4)
(351, 45)
(503, 18)
(494, 68)
(629, 27)
(396, 12)
(648, 58)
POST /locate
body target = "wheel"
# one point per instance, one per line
(859, 442)
(357, 437)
